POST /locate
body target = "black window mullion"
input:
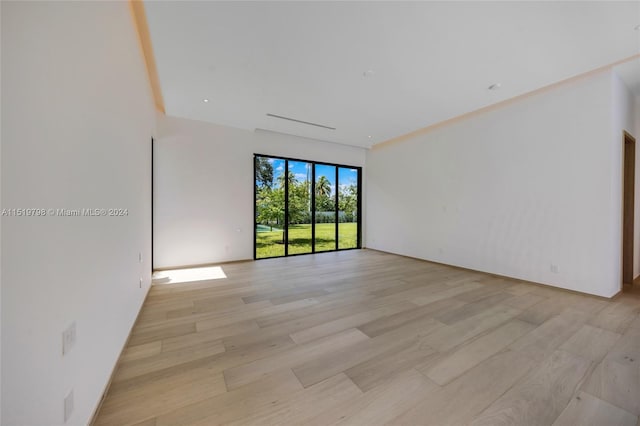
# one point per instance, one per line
(313, 204)
(313, 207)
(359, 207)
(255, 207)
(337, 213)
(286, 207)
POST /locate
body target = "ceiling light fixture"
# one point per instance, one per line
(369, 136)
(495, 86)
(205, 100)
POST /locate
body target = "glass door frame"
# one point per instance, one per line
(313, 206)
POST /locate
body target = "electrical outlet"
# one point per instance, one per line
(69, 338)
(68, 406)
(554, 268)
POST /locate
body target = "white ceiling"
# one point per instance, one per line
(430, 61)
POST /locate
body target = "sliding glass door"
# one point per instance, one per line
(269, 207)
(325, 207)
(348, 197)
(305, 207)
(299, 229)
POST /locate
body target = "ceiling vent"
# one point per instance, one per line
(300, 121)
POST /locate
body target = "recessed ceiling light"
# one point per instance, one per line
(369, 136)
(205, 100)
(495, 86)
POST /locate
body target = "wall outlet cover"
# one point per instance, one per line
(68, 406)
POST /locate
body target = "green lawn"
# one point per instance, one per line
(269, 244)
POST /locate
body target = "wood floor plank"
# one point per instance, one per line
(627, 348)
(338, 315)
(617, 383)
(207, 305)
(134, 405)
(477, 351)
(482, 291)
(339, 360)
(400, 286)
(133, 352)
(497, 281)
(545, 339)
(450, 336)
(299, 296)
(616, 317)
(150, 422)
(212, 334)
(541, 396)
(541, 312)
(452, 316)
(524, 301)
(385, 366)
(298, 407)
(585, 303)
(253, 371)
(363, 337)
(520, 289)
(425, 299)
(216, 363)
(393, 322)
(587, 410)
(148, 336)
(340, 324)
(378, 406)
(236, 403)
(590, 342)
(636, 322)
(344, 300)
(242, 315)
(462, 400)
(230, 314)
(162, 360)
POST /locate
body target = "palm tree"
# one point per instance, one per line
(323, 187)
(323, 195)
(289, 176)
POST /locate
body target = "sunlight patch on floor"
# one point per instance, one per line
(188, 275)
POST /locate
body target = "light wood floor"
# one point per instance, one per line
(365, 338)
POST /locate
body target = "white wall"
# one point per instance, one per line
(0, 225)
(77, 120)
(510, 191)
(637, 117)
(203, 187)
(623, 119)
(636, 135)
